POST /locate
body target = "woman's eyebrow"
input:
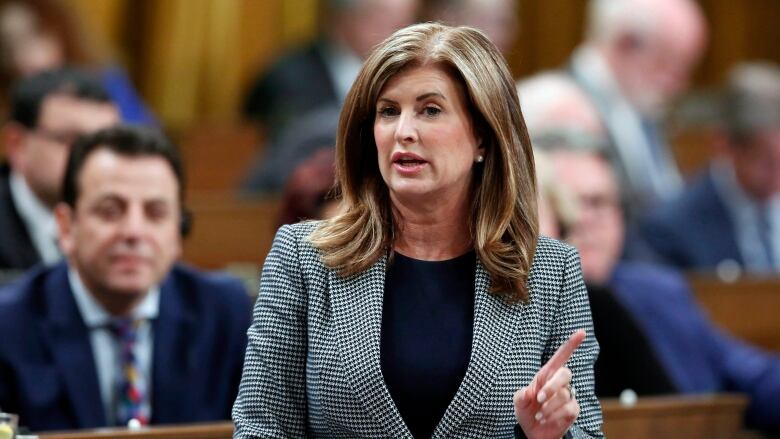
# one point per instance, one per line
(430, 94)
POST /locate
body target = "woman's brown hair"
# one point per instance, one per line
(503, 221)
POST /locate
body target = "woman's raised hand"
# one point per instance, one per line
(547, 407)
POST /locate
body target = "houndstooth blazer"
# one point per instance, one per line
(312, 363)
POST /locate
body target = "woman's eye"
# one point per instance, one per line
(388, 112)
(431, 111)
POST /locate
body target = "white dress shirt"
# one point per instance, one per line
(106, 350)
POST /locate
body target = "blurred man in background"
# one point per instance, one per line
(637, 58)
(297, 100)
(696, 356)
(48, 111)
(498, 19)
(730, 215)
(119, 333)
(321, 73)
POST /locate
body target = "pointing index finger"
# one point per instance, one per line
(563, 353)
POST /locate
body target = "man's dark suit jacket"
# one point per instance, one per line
(17, 251)
(694, 231)
(297, 83)
(47, 369)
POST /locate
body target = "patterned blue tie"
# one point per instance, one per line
(131, 397)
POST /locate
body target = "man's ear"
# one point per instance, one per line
(64, 215)
(12, 135)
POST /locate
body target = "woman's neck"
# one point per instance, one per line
(434, 232)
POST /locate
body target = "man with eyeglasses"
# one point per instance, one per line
(694, 354)
(48, 111)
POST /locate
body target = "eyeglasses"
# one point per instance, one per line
(600, 204)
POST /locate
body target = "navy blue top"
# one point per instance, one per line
(427, 326)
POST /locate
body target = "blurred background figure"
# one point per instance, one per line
(556, 209)
(626, 358)
(637, 58)
(552, 100)
(730, 215)
(38, 35)
(298, 97)
(119, 331)
(498, 19)
(696, 356)
(308, 193)
(49, 111)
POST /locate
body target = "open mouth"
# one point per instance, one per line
(409, 163)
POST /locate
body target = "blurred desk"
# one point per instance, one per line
(672, 417)
(676, 417)
(748, 308)
(228, 229)
(219, 430)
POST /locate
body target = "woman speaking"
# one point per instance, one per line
(429, 306)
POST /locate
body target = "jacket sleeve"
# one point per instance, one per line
(271, 400)
(573, 313)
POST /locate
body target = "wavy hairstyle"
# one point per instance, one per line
(503, 221)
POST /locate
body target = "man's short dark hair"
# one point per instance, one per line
(28, 94)
(123, 140)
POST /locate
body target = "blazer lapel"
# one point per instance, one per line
(357, 313)
(496, 326)
(173, 364)
(68, 338)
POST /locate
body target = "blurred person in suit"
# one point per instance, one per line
(553, 101)
(498, 19)
(730, 215)
(296, 100)
(696, 356)
(321, 73)
(119, 331)
(637, 58)
(310, 191)
(48, 111)
(39, 35)
(626, 358)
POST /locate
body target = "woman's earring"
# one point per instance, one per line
(480, 158)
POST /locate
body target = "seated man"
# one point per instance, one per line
(48, 111)
(697, 356)
(731, 213)
(119, 331)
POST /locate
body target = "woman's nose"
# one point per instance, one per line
(406, 130)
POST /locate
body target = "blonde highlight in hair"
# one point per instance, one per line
(503, 222)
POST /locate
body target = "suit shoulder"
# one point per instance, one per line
(549, 249)
(652, 277)
(296, 235)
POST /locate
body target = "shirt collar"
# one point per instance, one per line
(93, 313)
(30, 208)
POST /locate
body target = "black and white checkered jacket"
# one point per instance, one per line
(312, 363)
